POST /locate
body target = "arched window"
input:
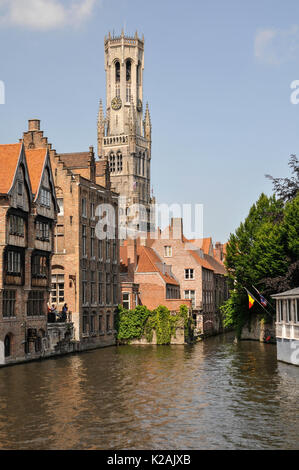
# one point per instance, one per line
(112, 162)
(117, 72)
(128, 70)
(7, 345)
(119, 162)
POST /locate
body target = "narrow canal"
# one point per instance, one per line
(212, 395)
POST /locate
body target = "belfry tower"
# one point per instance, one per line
(124, 131)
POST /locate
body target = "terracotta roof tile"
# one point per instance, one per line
(75, 160)
(35, 162)
(148, 262)
(216, 264)
(203, 262)
(9, 157)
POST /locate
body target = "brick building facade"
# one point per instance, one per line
(28, 210)
(85, 270)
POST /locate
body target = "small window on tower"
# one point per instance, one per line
(117, 71)
(128, 70)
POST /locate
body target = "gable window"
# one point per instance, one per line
(167, 251)
(16, 226)
(42, 231)
(45, 197)
(14, 263)
(189, 273)
(9, 302)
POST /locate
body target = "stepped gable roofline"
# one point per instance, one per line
(288, 293)
(36, 161)
(10, 155)
(148, 262)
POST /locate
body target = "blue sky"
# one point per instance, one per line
(217, 79)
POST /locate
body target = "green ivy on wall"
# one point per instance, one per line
(133, 324)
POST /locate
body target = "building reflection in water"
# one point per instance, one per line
(215, 394)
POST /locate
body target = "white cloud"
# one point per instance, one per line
(274, 46)
(45, 15)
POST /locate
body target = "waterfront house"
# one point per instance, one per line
(85, 271)
(287, 326)
(28, 212)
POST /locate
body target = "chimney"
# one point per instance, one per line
(34, 125)
(219, 250)
(177, 228)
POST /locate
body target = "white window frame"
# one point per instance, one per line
(167, 251)
(187, 277)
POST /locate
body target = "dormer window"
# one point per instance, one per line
(45, 197)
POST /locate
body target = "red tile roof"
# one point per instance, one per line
(9, 157)
(148, 262)
(35, 162)
(75, 160)
(203, 262)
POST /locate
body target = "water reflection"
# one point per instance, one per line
(212, 395)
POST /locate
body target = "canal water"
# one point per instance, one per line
(212, 395)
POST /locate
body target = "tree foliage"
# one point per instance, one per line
(264, 252)
(287, 188)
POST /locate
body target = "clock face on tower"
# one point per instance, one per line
(139, 105)
(116, 103)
